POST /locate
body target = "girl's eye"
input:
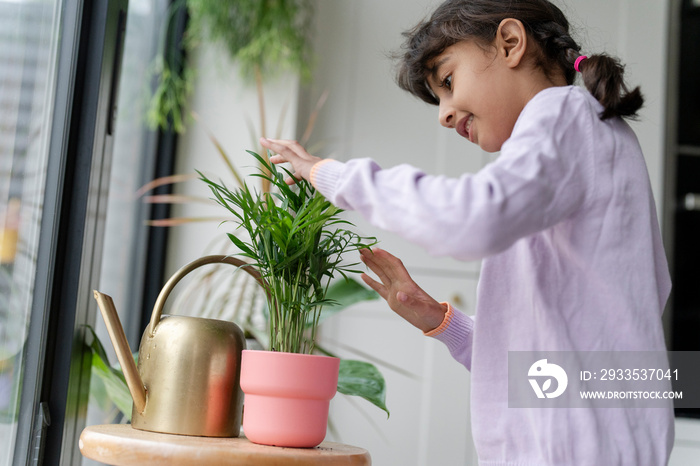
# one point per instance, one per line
(447, 83)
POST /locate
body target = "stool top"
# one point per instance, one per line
(120, 444)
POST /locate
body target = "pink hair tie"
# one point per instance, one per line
(578, 62)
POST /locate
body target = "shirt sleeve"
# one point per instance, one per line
(456, 332)
(539, 179)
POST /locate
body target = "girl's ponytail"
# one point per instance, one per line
(603, 77)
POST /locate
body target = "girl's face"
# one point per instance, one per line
(481, 93)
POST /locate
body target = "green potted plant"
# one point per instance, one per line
(296, 240)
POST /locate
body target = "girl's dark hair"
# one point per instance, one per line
(478, 20)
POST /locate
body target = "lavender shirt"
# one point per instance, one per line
(566, 225)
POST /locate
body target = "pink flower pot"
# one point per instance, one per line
(287, 396)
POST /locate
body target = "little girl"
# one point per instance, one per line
(564, 221)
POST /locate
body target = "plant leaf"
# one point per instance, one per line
(359, 378)
(115, 386)
(166, 180)
(347, 292)
(112, 377)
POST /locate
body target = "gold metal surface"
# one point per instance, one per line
(121, 345)
(188, 376)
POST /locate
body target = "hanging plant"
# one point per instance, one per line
(264, 37)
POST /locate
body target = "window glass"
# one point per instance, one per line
(29, 35)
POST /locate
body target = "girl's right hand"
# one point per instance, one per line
(295, 154)
(399, 290)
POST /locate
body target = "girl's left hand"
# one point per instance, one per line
(399, 290)
(295, 154)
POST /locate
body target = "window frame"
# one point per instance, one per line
(55, 381)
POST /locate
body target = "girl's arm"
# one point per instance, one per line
(467, 218)
(408, 300)
(541, 178)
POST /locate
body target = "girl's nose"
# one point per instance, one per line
(447, 116)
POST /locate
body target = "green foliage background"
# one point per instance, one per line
(265, 38)
(272, 35)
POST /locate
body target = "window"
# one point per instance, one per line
(68, 173)
(29, 36)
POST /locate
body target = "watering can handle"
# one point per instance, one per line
(177, 276)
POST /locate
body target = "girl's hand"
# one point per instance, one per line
(400, 291)
(292, 152)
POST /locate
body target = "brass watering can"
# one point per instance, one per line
(188, 376)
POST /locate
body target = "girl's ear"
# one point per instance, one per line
(511, 41)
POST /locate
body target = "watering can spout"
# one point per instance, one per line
(121, 346)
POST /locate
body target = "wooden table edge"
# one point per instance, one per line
(120, 444)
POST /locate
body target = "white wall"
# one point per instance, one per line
(686, 450)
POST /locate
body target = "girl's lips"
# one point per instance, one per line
(464, 127)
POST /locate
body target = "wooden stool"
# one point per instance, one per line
(120, 444)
